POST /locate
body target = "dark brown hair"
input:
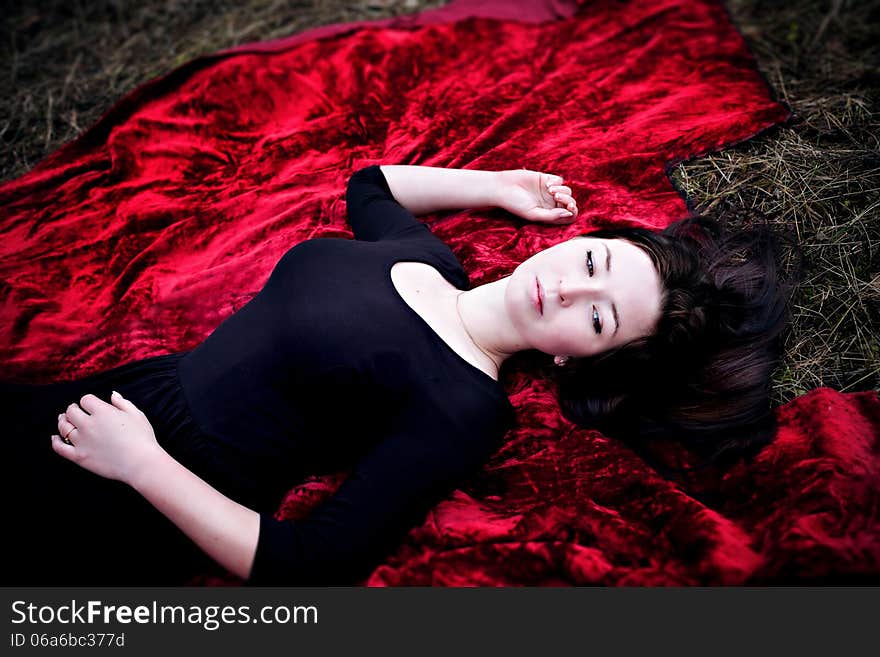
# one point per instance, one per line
(703, 376)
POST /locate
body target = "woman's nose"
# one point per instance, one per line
(570, 290)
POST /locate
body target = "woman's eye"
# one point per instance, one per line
(590, 262)
(596, 323)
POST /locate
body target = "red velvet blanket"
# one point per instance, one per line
(141, 236)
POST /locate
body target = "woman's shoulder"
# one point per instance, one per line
(438, 254)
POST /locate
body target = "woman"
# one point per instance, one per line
(369, 352)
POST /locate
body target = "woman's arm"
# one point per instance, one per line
(528, 194)
(427, 189)
(224, 529)
(117, 441)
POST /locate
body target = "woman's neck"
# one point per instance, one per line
(484, 318)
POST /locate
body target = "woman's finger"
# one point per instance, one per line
(562, 189)
(553, 179)
(566, 201)
(62, 448)
(76, 415)
(122, 403)
(555, 216)
(563, 198)
(64, 425)
(65, 428)
(91, 403)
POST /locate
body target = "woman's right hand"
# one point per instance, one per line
(536, 196)
(112, 440)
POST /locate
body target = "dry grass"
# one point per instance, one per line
(816, 177)
(68, 61)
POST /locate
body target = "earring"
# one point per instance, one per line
(560, 360)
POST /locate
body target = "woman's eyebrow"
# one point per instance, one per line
(613, 305)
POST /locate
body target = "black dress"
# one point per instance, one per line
(326, 368)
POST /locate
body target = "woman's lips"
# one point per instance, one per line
(539, 296)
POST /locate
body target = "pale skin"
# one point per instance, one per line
(117, 441)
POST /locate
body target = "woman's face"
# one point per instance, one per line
(584, 296)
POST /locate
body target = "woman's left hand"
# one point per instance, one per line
(112, 440)
(536, 196)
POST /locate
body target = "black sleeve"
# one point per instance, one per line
(373, 212)
(387, 494)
